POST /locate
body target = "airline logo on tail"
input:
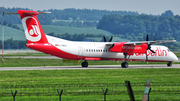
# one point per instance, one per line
(31, 28)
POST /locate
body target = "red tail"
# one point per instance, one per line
(33, 30)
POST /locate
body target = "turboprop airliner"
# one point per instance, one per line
(77, 50)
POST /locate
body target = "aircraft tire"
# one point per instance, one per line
(124, 65)
(169, 64)
(84, 64)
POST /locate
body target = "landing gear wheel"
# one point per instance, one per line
(124, 65)
(169, 64)
(84, 64)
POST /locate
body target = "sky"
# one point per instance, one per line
(154, 7)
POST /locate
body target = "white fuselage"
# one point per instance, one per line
(101, 50)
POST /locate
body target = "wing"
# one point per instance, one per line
(134, 47)
(141, 42)
(149, 42)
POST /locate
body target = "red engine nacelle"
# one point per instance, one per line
(130, 49)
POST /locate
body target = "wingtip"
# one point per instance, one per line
(44, 12)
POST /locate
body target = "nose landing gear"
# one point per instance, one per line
(169, 64)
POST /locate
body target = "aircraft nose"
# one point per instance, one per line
(174, 57)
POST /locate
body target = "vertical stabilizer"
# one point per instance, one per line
(33, 30)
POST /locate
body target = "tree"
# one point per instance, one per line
(167, 13)
(10, 25)
(15, 26)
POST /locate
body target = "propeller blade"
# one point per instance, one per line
(152, 51)
(111, 39)
(147, 37)
(149, 46)
(104, 38)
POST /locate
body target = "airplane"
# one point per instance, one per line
(78, 50)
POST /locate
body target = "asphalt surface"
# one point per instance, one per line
(90, 67)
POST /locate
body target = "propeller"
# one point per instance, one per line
(109, 39)
(104, 38)
(149, 46)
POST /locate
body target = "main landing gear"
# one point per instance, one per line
(169, 64)
(84, 64)
(125, 64)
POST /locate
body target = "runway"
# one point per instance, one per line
(90, 67)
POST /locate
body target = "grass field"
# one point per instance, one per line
(44, 77)
(70, 30)
(12, 33)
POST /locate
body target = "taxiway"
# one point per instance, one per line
(90, 67)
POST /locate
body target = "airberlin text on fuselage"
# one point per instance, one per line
(32, 32)
(158, 52)
(132, 47)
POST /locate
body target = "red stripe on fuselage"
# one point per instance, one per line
(50, 49)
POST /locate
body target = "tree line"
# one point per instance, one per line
(13, 44)
(166, 26)
(65, 14)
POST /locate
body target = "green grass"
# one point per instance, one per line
(177, 54)
(41, 77)
(70, 30)
(50, 77)
(12, 33)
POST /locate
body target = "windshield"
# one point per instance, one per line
(169, 50)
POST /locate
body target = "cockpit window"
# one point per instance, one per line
(169, 50)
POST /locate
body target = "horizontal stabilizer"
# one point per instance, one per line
(28, 12)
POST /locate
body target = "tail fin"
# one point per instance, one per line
(33, 30)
